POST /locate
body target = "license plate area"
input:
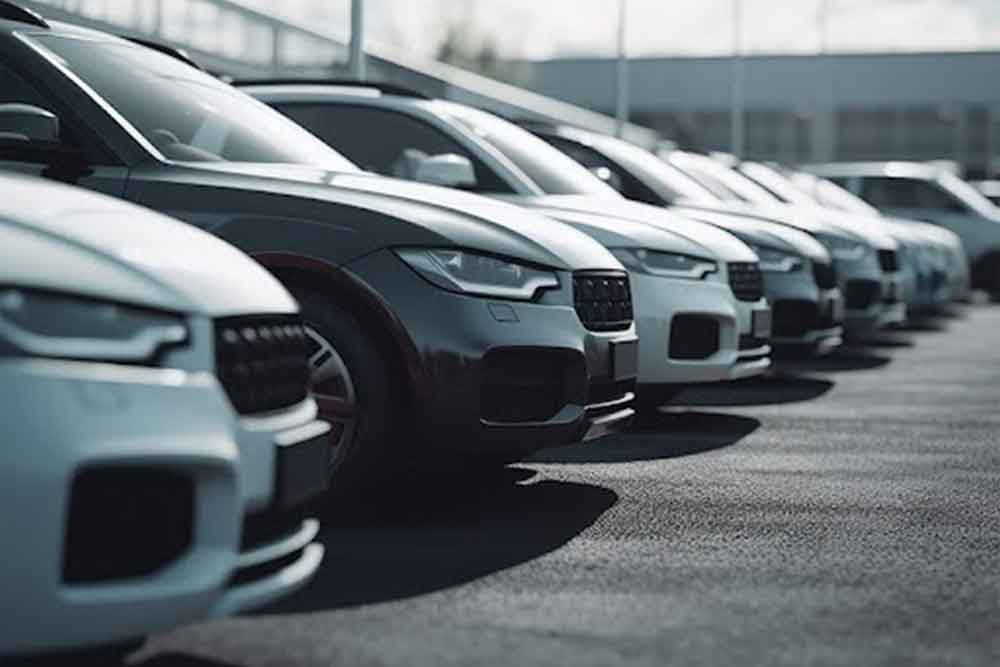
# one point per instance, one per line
(761, 322)
(624, 359)
(302, 465)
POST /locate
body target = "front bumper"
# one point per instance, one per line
(697, 332)
(806, 318)
(65, 420)
(471, 354)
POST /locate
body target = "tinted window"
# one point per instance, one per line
(547, 168)
(621, 180)
(376, 139)
(15, 89)
(186, 114)
(886, 192)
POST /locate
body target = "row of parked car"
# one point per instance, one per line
(264, 300)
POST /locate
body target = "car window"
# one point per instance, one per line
(377, 139)
(545, 166)
(188, 115)
(616, 177)
(898, 192)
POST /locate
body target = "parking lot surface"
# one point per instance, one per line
(843, 511)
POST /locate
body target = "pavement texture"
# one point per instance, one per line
(837, 512)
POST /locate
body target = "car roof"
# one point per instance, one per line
(896, 169)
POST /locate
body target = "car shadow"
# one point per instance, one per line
(424, 537)
(134, 660)
(776, 388)
(665, 435)
(924, 324)
(857, 356)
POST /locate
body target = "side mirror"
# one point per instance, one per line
(609, 177)
(449, 170)
(27, 123)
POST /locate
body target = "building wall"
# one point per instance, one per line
(801, 108)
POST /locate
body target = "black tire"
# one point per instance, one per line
(366, 455)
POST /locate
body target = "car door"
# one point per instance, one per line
(926, 200)
(38, 136)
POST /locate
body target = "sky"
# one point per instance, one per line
(534, 29)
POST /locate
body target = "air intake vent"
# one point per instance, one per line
(746, 281)
(888, 260)
(603, 300)
(262, 362)
(825, 275)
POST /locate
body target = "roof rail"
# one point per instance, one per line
(380, 86)
(172, 51)
(14, 12)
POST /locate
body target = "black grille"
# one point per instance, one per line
(749, 342)
(262, 362)
(888, 260)
(746, 281)
(269, 526)
(794, 318)
(825, 275)
(862, 294)
(603, 300)
(126, 522)
(527, 385)
(693, 337)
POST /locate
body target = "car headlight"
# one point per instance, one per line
(777, 261)
(666, 264)
(843, 249)
(52, 324)
(473, 273)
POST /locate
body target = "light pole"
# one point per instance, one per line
(622, 106)
(356, 62)
(736, 93)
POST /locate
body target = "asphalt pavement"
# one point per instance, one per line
(838, 512)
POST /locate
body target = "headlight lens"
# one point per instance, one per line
(474, 273)
(666, 264)
(50, 324)
(843, 249)
(775, 260)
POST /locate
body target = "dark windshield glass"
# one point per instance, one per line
(189, 116)
(547, 167)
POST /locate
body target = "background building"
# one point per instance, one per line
(925, 106)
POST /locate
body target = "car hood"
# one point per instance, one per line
(930, 233)
(428, 215)
(641, 225)
(76, 241)
(781, 214)
(757, 231)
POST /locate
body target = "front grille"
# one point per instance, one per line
(693, 337)
(528, 385)
(262, 362)
(862, 294)
(888, 260)
(793, 318)
(750, 342)
(270, 526)
(603, 300)
(746, 281)
(825, 275)
(126, 522)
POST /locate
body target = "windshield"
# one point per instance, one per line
(706, 170)
(829, 194)
(187, 115)
(551, 170)
(775, 183)
(664, 179)
(968, 195)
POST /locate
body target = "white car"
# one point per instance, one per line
(867, 258)
(161, 442)
(930, 193)
(943, 270)
(700, 312)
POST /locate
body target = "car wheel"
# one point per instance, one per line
(354, 389)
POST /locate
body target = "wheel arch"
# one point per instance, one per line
(362, 301)
(985, 270)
